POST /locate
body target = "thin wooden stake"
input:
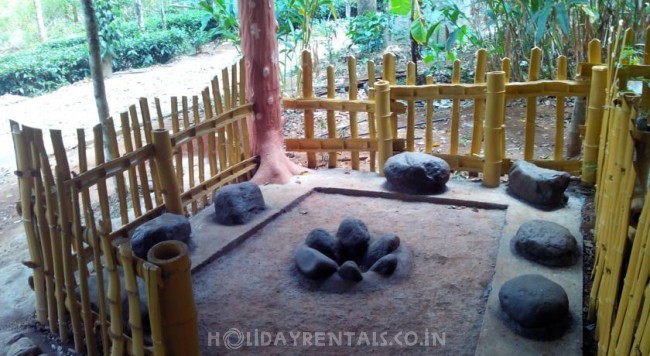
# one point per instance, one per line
(352, 95)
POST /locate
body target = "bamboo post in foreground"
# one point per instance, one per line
(171, 194)
(388, 74)
(455, 112)
(496, 99)
(559, 111)
(595, 113)
(428, 134)
(177, 308)
(372, 129)
(331, 116)
(479, 104)
(531, 104)
(383, 117)
(410, 109)
(505, 66)
(153, 279)
(308, 93)
(352, 95)
(132, 293)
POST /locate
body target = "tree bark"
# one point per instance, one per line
(92, 34)
(139, 14)
(257, 30)
(348, 9)
(163, 17)
(42, 32)
(364, 6)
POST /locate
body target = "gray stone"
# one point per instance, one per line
(24, 347)
(385, 265)
(538, 186)
(380, 247)
(322, 241)
(350, 271)
(237, 204)
(162, 228)
(353, 238)
(415, 172)
(536, 306)
(547, 243)
(313, 263)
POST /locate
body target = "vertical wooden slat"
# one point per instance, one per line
(221, 133)
(382, 111)
(153, 279)
(171, 191)
(410, 109)
(133, 179)
(242, 101)
(178, 156)
(479, 104)
(455, 112)
(505, 67)
(352, 94)
(230, 129)
(308, 93)
(331, 116)
(428, 135)
(119, 179)
(212, 144)
(372, 127)
(133, 297)
(234, 95)
(190, 150)
(142, 169)
(148, 128)
(531, 104)
(159, 114)
(388, 74)
(559, 111)
(200, 146)
(496, 95)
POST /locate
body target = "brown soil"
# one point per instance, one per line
(257, 287)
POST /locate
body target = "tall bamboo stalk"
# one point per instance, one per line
(559, 110)
(308, 93)
(352, 95)
(455, 112)
(531, 104)
(331, 116)
(383, 118)
(133, 295)
(372, 127)
(479, 104)
(410, 109)
(496, 96)
(595, 112)
(171, 192)
(428, 135)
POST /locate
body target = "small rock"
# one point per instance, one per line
(313, 263)
(350, 271)
(547, 243)
(538, 186)
(353, 238)
(415, 172)
(385, 265)
(322, 241)
(24, 347)
(380, 247)
(237, 204)
(538, 306)
(165, 227)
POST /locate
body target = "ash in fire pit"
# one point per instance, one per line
(352, 256)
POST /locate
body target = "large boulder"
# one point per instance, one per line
(415, 172)
(237, 204)
(353, 238)
(314, 264)
(165, 227)
(538, 186)
(322, 241)
(536, 307)
(547, 243)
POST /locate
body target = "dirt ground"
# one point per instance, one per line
(257, 286)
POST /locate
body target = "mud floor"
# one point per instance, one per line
(253, 297)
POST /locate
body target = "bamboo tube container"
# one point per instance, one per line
(133, 295)
(382, 116)
(153, 281)
(331, 116)
(479, 104)
(559, 111)
(531, 104)
(24, 177)
(352, 94)
(428, 134)
(410, 110)
(171, 193)
(308, 93)
(372, 129)
(177, 307)
(496, 95)
(455, 112)
(595, 114)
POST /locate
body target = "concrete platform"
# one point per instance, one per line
(495, 338)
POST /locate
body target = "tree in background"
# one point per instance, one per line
(139, 14)
(365, 6)
(38, 9)
(257, 29)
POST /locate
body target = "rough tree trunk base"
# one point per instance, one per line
(276, 168)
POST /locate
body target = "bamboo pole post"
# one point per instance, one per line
(595, 112)
(133, 297)
(623, 75)
(645, 96)
(171, 192)
(178, 156)
(505, 67)
(146, 119)
(142, 169)
(428, 134)
(410, 109)
(24, 174)
(227, 105)
(236, 142)
(190, 150)
(559, 110)
(159, 114)
(331, 117)
(455, 112)
(114, 296)
(221, 133)
(212, 139)
(133, 179)
(308, 93)
(177, 308)
(372, 128)
(388, 74)
(242, 101)
(153, 281)
(382, 115)
(200, 146)
(352, 95)
(119, 179)
(479, 104)
(496, 95)
(531, 104)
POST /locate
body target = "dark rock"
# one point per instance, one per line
(163, 228)
(385, 265)
(536, 306)
(415, 172)
(322, 241)
(547, 243)
(350, 272)
(380, 247)
(313, 263)
(237, 204)
(538, 186)
(24, 347)
(353, 238)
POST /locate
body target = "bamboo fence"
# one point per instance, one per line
(78, 223)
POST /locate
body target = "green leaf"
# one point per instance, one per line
(400, 7)
(418, 31)
(562, 16)
(545, 12)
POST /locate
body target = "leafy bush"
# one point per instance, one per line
(150, 48)
(367, 31)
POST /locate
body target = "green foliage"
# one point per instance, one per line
(221, 20)
(108, 26)
(367, 31)
(150, 48)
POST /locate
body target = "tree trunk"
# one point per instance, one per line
(139, 14)
(42, 32)
(364, 6)
(257, 29)
(163, 17)
(92, 34)
(348, 9)
(573, 143)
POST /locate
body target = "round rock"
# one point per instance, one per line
(380, 247)
(547, 243)
(314, 264)
(237, 204)
(415, 172)
(536, 307)
(322, 241)
(350, 272)
(353, 238)
(385, 265)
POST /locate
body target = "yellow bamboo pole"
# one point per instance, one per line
(178, 156)
(142, 169)
(114, 295)
(496, 96)
(372, 128)
(171, 192)
(331, 116)
(159, 114)
(133, 296)
(382, 115)
(212, 139)
(410, 109)
(308, 93)
(133, 179)
(595, 112)
(559, 111)
(455, 112)
(200, 145)
(119, 179)
(479, 104)
(177, 307)
(428, 135)
(352, 95)
(594, 52)
(388, 74)
(221, 133)
(153, 281)
(146, 118)
(505, 67)
(531, 104)
(190, 151)
(242, 101)
(237, 146)
(642, 335)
